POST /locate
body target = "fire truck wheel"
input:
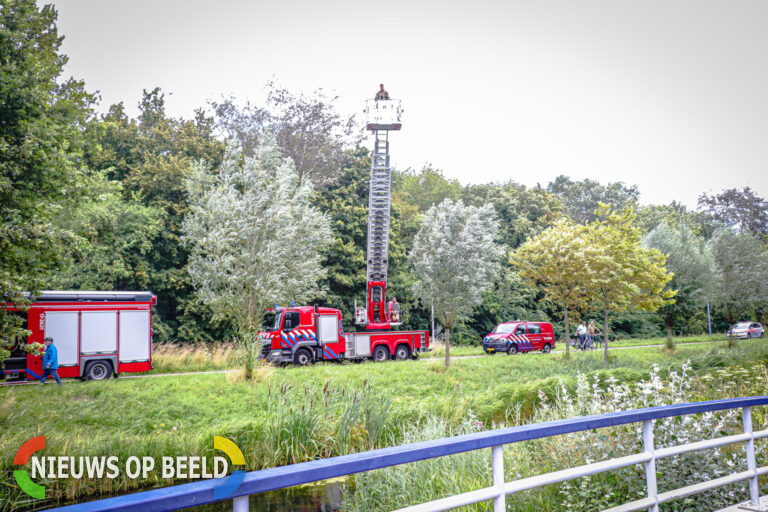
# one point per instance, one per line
(302, 357)
(512, 349)
(402, 352)
(547, 348)
(380, 354)
(98, 370)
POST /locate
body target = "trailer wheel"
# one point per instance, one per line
(98, 370)
(402, 352)
(302, 357)
(380, 354)
(512, 349)
(547, 348)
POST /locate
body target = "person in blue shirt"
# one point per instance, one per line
(50, 361)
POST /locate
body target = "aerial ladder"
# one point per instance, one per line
(382, 116)
(305, 334)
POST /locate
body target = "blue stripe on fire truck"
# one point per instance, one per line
(328, 353)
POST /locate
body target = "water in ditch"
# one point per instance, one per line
(322, 497)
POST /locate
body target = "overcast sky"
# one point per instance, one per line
(666, 94)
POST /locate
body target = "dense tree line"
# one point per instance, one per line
(94, 200)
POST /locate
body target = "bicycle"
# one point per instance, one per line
(574, 342)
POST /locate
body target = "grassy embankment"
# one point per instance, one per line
(294, 414)
(172, 358)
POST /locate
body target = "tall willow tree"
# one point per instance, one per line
(455, 258)
(254, 238)
(742, 262)
(693, 266)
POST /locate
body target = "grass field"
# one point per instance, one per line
(172, 358)
(289, 414)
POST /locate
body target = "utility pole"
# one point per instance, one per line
(433, 318)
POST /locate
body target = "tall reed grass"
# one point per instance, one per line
(189, 357)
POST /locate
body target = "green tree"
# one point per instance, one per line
(627, 274)
(455, 258)
(308, 129)
(582, 198)
(677, 215)
(42, 121)
(345, 202)
(255, 239)
(116, 236)
(741, 209)
(742, 263)
(151, 157)
(509, 298)
(561, 261)
(693, 268)
(524, 212)
(425, 188)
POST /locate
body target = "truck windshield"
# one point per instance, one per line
(505, 328)
(278, 322)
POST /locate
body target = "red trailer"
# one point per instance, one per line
(97, 334)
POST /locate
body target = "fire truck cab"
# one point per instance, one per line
(97, 334)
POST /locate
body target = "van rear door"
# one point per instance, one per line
(547, 334)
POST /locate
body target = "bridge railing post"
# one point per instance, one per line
(240, 504)
(754, 494)
(497, 457)
(650, 466)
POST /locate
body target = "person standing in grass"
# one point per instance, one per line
(50, 361)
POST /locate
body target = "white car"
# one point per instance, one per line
(747, 330)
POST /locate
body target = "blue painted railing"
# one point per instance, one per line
(200, 493)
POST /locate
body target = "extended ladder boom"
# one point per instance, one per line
(382, 116)
(377, 254)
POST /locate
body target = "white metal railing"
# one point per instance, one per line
(648, 457)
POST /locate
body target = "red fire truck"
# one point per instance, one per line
(305, 334)
(97, 334)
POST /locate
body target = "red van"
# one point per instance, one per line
(518, 336)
